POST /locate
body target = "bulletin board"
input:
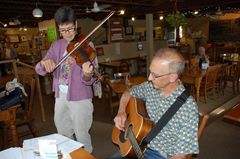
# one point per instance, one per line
(116, 30)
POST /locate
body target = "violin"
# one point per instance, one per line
(78, 54)
(80, 49)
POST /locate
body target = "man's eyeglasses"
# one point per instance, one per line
(68, 30)
(154, 76)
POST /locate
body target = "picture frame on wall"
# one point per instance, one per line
(14, 38)
(129, 30)
(100, 51)
(139, 46)
(23, 38)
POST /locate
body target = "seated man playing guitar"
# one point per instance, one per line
(179, 136)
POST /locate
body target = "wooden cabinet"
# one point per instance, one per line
(41, 43)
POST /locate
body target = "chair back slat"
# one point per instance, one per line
(29, 86)
(187, 63)
(237, 70)
(194, 62)
(211, 75)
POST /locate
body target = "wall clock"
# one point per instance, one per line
(15, 45)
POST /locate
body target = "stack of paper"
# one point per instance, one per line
(64, 144)
(11, 153)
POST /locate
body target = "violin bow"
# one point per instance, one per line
(78, 44)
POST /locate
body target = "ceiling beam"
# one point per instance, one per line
(169, 6)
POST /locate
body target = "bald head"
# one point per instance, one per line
(175, 60)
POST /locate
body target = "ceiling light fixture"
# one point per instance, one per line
(133, 18)
(161, 17)
(5, 25)
(37, 12)
(196, 12)
(122, 12)
(25, 29)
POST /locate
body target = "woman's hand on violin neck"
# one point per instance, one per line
(48, 65)
(87, 69)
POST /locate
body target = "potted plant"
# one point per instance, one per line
(2, 31)
(176, 19)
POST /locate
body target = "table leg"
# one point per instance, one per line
(12, 126)
(197, 85)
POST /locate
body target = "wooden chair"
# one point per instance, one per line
(24, 117)
(124, 65)
(123, 75)
(222, 72)
(208, 83)
(112, 101)
(202, 123)
(233, 78)
(187, 63)
(194, 63)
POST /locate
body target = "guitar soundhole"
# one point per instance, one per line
(121, 137)
(122, 133)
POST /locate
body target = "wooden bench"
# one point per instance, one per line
(234, 114)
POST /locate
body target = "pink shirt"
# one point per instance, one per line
(78, 88)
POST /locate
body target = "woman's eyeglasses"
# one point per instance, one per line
(68, 30)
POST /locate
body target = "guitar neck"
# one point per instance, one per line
(134, 144)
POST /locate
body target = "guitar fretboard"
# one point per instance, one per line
(134, 144)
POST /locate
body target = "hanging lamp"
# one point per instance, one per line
(37, 12)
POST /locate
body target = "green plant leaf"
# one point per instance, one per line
(176, 19)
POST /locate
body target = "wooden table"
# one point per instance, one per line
(120, 87)
(234, 114)
(193, 76)
(231, 60)
(81, 153)
(10, 116)
(115, 65)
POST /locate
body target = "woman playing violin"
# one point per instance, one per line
(71, 83)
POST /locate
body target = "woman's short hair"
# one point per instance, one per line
(201, 49)
(65, 15)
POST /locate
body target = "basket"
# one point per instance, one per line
(114, 80)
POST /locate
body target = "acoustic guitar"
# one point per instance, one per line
(136, 128)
